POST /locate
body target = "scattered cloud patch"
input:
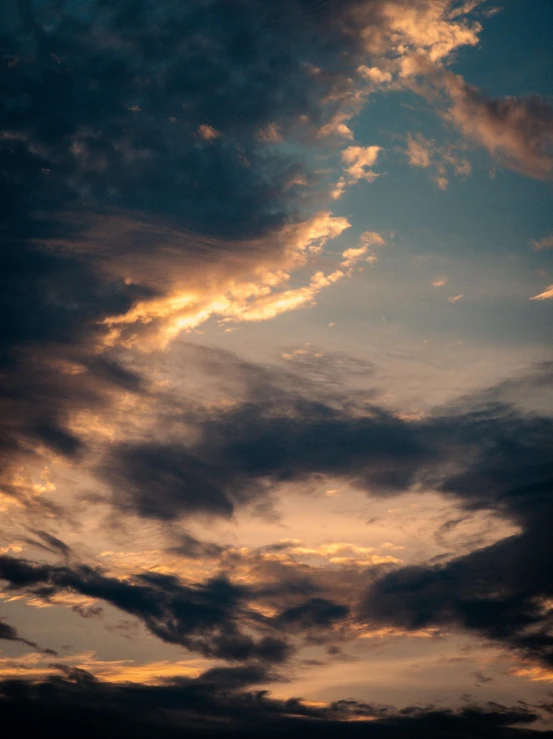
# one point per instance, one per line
(546, 242)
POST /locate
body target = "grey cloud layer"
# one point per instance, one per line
(137, 134)
(204, 618)
(106, 168)
(485, 453)
(102, 159)
(222, 704)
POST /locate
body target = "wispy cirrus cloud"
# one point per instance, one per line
(545, 295)
(546, 242)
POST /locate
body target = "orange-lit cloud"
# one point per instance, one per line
(547, 294)
(518, 132)
(357, 161)
(375, 74)
(534, 674)
(36, 666)
(426, 154)
(208, 133)
(254, 292)
(431, 28)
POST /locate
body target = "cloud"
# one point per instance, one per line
(374, 74)
(163, 166)
(358, 161)
(483, 452)
(418, 151)
(208, 133)
(141, 179)
(517, 132)
(430, 29)
(546, 242)
(221, 703)
(48, 542)
(316, 612)
(502, 591)
(547, 294)
(201, 618)
(426, 154)
(150, 189)
(141, 476)
(235, 293)
(241, 449)
(10, 633)
(363, 251)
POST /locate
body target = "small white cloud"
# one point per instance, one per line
(455, 299)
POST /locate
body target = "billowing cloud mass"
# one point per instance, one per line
(257, 475)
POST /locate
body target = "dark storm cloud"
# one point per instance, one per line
(314, 613)
(10, 633)
(163, 481)
(498, 458)
(203, 618)
(41, 389)
(190, 547)
(103, 158)
(103, 154)
(218, 704)
(102, 113)
(243, 452)
(483, 452)
(498, 592)
(103, 106)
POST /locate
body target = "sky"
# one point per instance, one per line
(276, 427)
